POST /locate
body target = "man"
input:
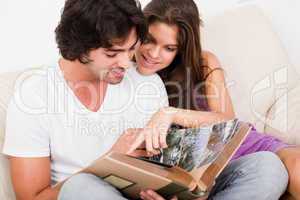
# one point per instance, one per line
(63, 118)
(87, 100)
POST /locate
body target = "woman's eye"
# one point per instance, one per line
(171, 49)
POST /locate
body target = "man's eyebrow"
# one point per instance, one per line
(150, 37)
(122, 50)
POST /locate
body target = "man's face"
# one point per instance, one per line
(110, 64)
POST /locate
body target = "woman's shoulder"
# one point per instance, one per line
(210, 59)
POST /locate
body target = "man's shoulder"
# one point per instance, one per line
(33, 84)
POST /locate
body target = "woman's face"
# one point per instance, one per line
(159, 49)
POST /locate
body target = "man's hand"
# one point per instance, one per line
(152, 195)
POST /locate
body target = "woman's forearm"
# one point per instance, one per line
(192, 118)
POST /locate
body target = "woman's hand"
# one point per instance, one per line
(155, 132)
(151, 195)
(125, 142)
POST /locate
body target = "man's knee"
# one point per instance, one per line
(77, 181)
(87, 186)
(273, 176)
(265, 172)
(269, 164)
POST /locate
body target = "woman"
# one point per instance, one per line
(195, 83)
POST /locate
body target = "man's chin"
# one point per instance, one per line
(115, 81)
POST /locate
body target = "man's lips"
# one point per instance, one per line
(118, 72)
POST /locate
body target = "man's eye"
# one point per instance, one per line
(111, 55)
(146, 40)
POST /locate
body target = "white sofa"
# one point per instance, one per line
(263, 84)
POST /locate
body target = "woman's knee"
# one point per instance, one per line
(292, 163)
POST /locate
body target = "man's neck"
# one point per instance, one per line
(75, 71)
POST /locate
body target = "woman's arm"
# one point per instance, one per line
(219, 103)
(192, 118)
(218, 99)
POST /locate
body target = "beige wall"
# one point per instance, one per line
(27, 28)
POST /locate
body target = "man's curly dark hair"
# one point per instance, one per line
(90, 24)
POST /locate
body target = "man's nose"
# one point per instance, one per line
(125, 60)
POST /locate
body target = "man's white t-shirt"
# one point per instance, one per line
(46, 119)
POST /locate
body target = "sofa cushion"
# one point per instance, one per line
(6, 87)
(256, 66)
(283, 117)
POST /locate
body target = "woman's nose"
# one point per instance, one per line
(154, 52)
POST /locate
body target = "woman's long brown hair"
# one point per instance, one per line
(187, 70)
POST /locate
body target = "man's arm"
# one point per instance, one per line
(31, 178)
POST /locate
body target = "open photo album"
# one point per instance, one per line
(187, 168)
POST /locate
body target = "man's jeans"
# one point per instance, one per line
(257, 176)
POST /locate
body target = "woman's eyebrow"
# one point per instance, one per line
(172, 45)
(150, 37)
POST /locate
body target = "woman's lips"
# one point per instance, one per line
(147, 62)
